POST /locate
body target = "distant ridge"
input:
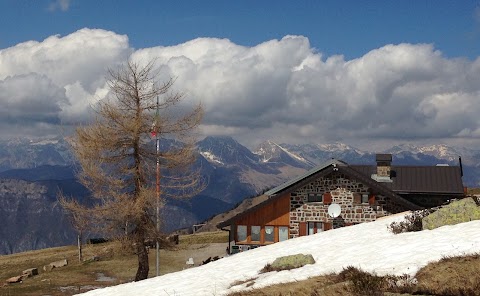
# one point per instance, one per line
(233, 171)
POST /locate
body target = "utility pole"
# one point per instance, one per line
(157, 140)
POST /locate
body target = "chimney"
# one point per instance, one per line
(384, 162)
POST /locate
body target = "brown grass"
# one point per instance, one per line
(449, 276)
(459, 275)
(323, 285)
(79, 277)
(472, 191)
(205, 238)
(454, 276)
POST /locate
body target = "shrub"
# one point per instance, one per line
(401, 283)
(362, 282)
(412, 222)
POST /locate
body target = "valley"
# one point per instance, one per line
(32, 172)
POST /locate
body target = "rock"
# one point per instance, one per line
(59, 263)
(30, 272)
(15, 279)
(47, 267)
(55, 264)
(292, 261)
(459, 211)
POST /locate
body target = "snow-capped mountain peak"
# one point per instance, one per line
(270, 151)
(338, 147)
(225, 150)
(211, 157)
(440, 151)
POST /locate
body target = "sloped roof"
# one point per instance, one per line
(420, 179)
(315, 170)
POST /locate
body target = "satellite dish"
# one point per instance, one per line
(334, 210)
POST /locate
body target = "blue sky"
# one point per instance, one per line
(360, 72)
(351, 28)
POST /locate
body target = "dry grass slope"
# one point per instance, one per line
(453, 276)
(80, 277)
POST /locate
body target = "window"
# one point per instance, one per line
(315, 197)
(364, 198)
(282, 233)
(357, 198)
(269, 234)
(314, 227)
(255, 235)
(241, 233)
(311, 228)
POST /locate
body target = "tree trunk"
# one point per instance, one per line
(142, 271)
(79, 242)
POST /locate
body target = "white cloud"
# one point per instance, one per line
(19, 104)
(280, 89)
(74, 65)
(284, 86)
(63, 5)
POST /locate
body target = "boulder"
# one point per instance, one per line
(459, 211)
(30, 272)
(59, 263)
(292, 261)
(56, 264)
(15, 279)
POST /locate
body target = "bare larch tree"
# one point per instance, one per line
(118, 157)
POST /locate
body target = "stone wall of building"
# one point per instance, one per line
(342, 190)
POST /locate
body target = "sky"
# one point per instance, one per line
(364, 73)
(332, 251)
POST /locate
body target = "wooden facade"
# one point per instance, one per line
(275, 213)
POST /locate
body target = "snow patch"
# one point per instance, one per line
(43, 142)
(211, 157)
(332, 250)
(269, 148)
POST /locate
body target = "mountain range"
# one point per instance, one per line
(33, 170)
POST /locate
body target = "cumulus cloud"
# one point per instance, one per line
(408, 91)
(280, 89)
(54, 82)
(19, 104)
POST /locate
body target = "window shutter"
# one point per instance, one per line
(371, 199)
(357, 198)
(302, 228)
(327, 225)
(327, 198)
